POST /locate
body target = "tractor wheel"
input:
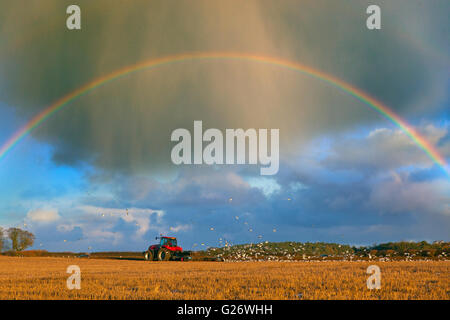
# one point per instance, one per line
(164, 255)
(148, 255)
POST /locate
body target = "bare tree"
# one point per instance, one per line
(1, 239)
(20, 239)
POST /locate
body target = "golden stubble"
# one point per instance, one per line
(45, 278)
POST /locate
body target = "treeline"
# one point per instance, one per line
(15, 239)
(323, 250)
(406, 248)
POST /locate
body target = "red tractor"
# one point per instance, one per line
(166, 250)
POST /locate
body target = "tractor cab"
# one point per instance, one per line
(168, 241)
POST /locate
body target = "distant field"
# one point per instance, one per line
(45, 278)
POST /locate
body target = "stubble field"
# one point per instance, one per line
(45, 278)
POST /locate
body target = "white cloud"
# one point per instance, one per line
(268, 186)
(181, 227)
(387, 149)
(43, 215)
(397, 195)
(119, 211)
(297, 186)
(140, 217)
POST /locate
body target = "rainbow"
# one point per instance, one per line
(421, 142)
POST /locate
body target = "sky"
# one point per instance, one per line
(97, 175)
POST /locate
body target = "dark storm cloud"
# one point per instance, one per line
(126, 124)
